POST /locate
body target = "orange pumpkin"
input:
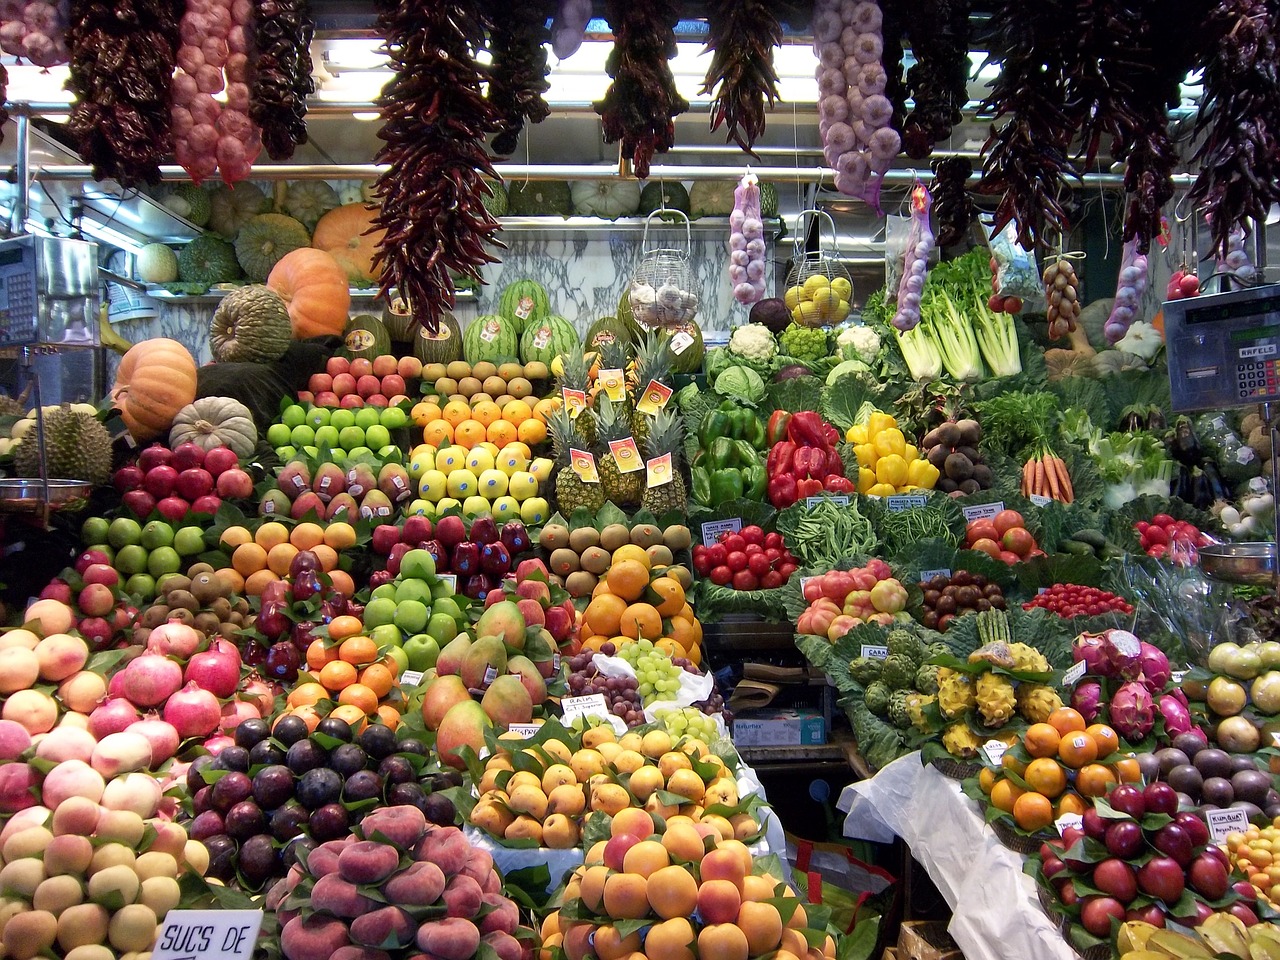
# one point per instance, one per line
(347, 234)
(315, 289)
(156, 379)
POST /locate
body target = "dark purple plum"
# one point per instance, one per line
(245, 820)
(412, 745)
(222, 857)
(317, 788)
(205, 825)
(195, 780)
(407, 795)
(378, 740)
(306, 755)
(362, 785)
(259, 859)
(396, 769)
(348, 758)
(234, 758)
(289, 821)
(264, 753)
(252, 732)
(273, 786)
(440, 810)
(290, 730)
(336, 728)
(230, 789)
(330, 822)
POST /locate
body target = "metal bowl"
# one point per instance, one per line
(1252, 563)
(27, 493)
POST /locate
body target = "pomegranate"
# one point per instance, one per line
(194, 712)
(174, 639)
(150, 680)
(112, 716)
(217, 669)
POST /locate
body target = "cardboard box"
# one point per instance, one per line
(926, 940)
(780, 728)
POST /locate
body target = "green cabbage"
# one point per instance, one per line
(740, 381)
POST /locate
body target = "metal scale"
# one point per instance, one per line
(48, 300)
(1224, 351)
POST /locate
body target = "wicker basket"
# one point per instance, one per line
(926, 940)
(956, 769)
(1016, 841)
(1050, 907)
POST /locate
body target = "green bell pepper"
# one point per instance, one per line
(715, 423)
(701, 486)
(726, 485)
(755, 481)
(722, 452)
(745, 455)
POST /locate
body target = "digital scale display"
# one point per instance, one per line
(1224, 349)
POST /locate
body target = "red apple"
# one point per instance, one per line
(96, 631)
(173, 508)
(1097, 912)
(127, 478)
(306, 396)
(336, 366)
(194, 484)
(209, 503)
(392, 384)
(96, 599)
(368, 385)
(102, 573)
(156, 455)
(384, 537)
(377, 400)
(320, 382)
(58, 590)
(327, 399)
(159, 481)
(235, 484)
(398, 550)
(343, 384)
(139, 502)
(187, 456)
(91, 557)
(352, 401)
(220, 459)
(361, 367)
(416, 528)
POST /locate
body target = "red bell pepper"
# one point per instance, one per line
(782, 490)
(832, 435)
(776, 431)
(837, 483)
(810, 462)
(806, 429)
(834, 462)
(808, 488)
(780, 457)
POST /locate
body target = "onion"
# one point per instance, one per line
(150, 679)
(113, 716)
(193, 712)
(174, 639)
(161, 735)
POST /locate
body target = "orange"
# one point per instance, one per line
(602, 586)
(1032, 811)
(248, 558)
(694, 654)
(1107, 740)
(232, 577)
(545, 407)
(1041, 739)
(340, 628)
(604, 613)
(1012, 763)
(627, 579)
(629, 551)
(305, 536)
(336, 675)
(423, 413)
(270, 534)
(595, 642)
(1128, 770)
(389, 716)
(1004, 794)
(358, 651)
(1094, 780)
(310, 716)
(1044, 775)
(357, 694)
(232, 537)
(279, 557)
(468, 433)
(340, 535)
(682, 632)
(486, 411)
(1071, 802)
(455, 411)
(306, 695)
(378, 678)
(327, 556)
(986, 779)
(1077, 749)
(318, 654)
(438, 433)
(1066, 720)
(641, 620)
(501, 432)
(351, 714)
(531, 431)
(671, 596)
(516, 412)
(342, 582)
(685, 613)
(670, 647)
(257, 581)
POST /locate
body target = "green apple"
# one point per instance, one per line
(189, 541)
(393, 417)
(163, 560)
(377, 435)
(398, 657)
(447, 605)
(442, 628)
(342, 418)
(94, 530)
(409, 589)
(105, 549)
(422, 651)
(386, 636)
(141, 584)
(131, 559)
(351, 437)
(380, 610)
(317, 417)
(388, 452)
(504, 509)
(417, 565)
(387, 591)
(123, 532)
(535, 511)
(411, 616)
(294, 415)
(302, 436)
(367, 417)
(278, 434)
(361, 451)
(327, 436)
(442, 589)
(157, 534)
(287, 452)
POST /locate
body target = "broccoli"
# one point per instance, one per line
(804, 343)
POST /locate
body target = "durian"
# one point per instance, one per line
(10, 407)
(996, 700)
(77, 447)
(1036, 701)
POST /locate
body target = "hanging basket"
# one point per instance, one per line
(819, 290)
(661, 292)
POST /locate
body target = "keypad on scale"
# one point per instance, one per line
(1256, 378)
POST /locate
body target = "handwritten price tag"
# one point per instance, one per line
(712, 529)
(898, 503)
(1074, 673)
(1040, 501)
(874, 652)
(1223, 822)
(982, 511)
(187, 934)
(589, 706)
(1068, 820)
(525, 730)
(927, 575)
(995, 751)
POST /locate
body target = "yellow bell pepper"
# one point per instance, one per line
(892, 470)
(882, 490)
(866, 455)
(879, 421)
(866, 480)
(909, 452)
(856, 434)
(923, 474)
(890, 441)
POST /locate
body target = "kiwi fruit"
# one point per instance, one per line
(220, 607)
(557, 580)
(469, 387)
(553, 537)
(198, 568)
(564, 561)
(659, 555)
(177, 581)
(241, 605)
(183, 600)
(520, 387)
(229, 631)
(495, 386)
(595, 560)
(677, 537)
(504, 399)
(155, 615)
(446, 386)
(582, 538)
(615, 535)
(207, 622)
(204, 587)
(182, 615)
(141, 635)
(477, 397)
(580, 583)
(645, 535)
(510, 370)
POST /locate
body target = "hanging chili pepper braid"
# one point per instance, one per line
(642, 101)
(435, 121)
(1239, 118)
(939, 80)
(123, 54)
(953, 209)
(892, 29)
(518, 75)
(281, 76)
(742, 36)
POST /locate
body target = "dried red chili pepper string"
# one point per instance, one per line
(742, 36)
(938, 81)
(281, 77)
(518, 75)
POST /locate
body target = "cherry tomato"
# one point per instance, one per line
(733, 542)
(774, 540)
(758, 563)
(736, 560)
(721, 575)
(752, 534)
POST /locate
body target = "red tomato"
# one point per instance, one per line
(736, 560)
(1156, 536)
(733, 541)
(716, 554)
(701, 563)
(1009, 558)
(982, 529)
(771, 580)
(988, 546)
(773, 553)
(1006, 520)
(1163, 520)
(774, 540)
(721, 575)
(753, 548)
(758, 563)
(752, 534)
(745, 580)
(787, 569)
(1019, 540)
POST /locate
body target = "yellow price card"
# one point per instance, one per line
(584, 465)
(626, 455)
(575, 401)
(659, 470)
(654, 398)
(614, 384)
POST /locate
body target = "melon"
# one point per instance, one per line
(540, 198)
(605, 330)
(398, 320)
(443, 346)
(661, 195)
(548, 339)
(524, 303)
(490, 337)
(365, 336)
(689, 359)
(768, 200)
(711, 198)
(157, 263)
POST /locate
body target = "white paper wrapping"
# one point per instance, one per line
(995, 913)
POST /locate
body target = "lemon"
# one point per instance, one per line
(840, 311)
(815, 283)
(791, 299)
(808, 314)
(825, 301)
(842, 287)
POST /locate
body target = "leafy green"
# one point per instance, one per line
(740, 382)
(1083, 394)
(796, 394)
(713, 602)
(1016, 423)
(939, 519)
(843, 400)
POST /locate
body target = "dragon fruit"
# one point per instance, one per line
(1177, 718)
(1133, 711)
(1156, 673)
(1123, 652)
(1085, 699)
(1088, 647)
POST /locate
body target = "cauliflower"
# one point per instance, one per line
(858, 343)
(804, 343)
(753, 341)
(1142, 339)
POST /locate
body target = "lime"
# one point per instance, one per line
(94, 530)
(293, 416)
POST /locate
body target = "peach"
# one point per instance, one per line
(67, 854)
(453, 938)
(323, 859)
(18, 637)
(625, 896)
(503, 916)
(315, 938)
(755, 889)
(559, 832)
(557, 775)
(673, 760)
(367, 861)
(799, 919)
(60, 655)
(528, 799)
(592, 889)
(446, 847)
(53, 616)
(594, 736)
(615, 850)
(388, 925)
(577, 941)
(719, 901)
(721, 864)
(36, 711)
(686, 783)
(632, 820)
(337, 896)
(402, 825)
(85, 923)
(762, 925)
(740, 848)
(586, 763)
(567, 798)
(611, 945)
(29, 934)
(646, 858)
(353, 952)
(670, 939)
(492, 882)
(76, 816)
(744, 826)
(645, 781)
(722, 941)
(683, 842)
(672, 892)
(504, 945)
(491, 816)
(659, 809)
(610, 797)
(463, 896)
(478, 866)
(552, 947)
(418, 886)
(595, 853)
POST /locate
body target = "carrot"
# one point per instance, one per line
(1051, 475)
(1028, 473)
(1064, 480)
(1039, 486)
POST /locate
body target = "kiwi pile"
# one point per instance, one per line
(952, 447)
(200, 599)
(460, 380)
(578, 558)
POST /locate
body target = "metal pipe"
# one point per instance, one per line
(22, 169)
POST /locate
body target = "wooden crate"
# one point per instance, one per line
(926, 940)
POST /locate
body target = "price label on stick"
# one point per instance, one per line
(712, 529)
(1068, 820)
(450, 578)
(927, 575)
(1040, 501)
(1223, 822)
(839, 499)
(1074, 673)
(592, 705)
(411, 678)
(873, 652)
(195, 934)
(994, 751)
(982, 511)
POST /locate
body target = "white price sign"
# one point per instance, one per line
(525, 730)
(1068, 820)
(927, 575)
(712, 529)
(593, 705)
(1040, 501)
(1074, 673)
(450, 578)
(898, 503)
(839, 499)
(995, 751)
(982, 511)
(191, 934)
(875, 652)
(411, 678)
(1223, 822)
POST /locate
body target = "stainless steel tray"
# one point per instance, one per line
(27, 493)
(1252, 563)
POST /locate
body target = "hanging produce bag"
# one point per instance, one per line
(819, 290)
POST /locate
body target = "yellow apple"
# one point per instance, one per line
(523, 485)
(535, 511)
(433, 485)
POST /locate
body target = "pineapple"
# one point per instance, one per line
(624, 489)
(666, 435)
(613, 356)
(653, 362)
(571, 492)
(575, 377)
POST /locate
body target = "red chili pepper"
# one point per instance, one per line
(776, 431)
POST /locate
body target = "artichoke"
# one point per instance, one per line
(904, 643)
(927, 678)
(877, 698)
(899, 672)
(866, 670)
(899, 711)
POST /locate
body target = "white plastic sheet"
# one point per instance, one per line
(995, 913)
